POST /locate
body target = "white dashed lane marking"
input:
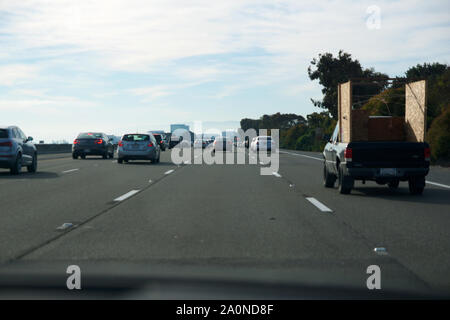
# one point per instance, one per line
(438, 184)
(276, 174)
(319, 204)
(71, 170)
(126, 195)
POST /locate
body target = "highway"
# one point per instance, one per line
(226, 215)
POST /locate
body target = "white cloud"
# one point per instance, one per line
(151, 93)
(13, 74)
(138, 35)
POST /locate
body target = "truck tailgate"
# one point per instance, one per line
(388, 154)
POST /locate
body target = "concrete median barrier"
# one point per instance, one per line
(53, 148)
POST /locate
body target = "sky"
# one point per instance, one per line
(125, 66)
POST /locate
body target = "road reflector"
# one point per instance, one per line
(380, 251)
(65, 226)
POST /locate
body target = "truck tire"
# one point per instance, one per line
(345, 183)
(416, 185)
(328, 178)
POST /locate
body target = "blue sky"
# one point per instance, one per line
(118, 66)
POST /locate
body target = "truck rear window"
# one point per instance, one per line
(3, 133)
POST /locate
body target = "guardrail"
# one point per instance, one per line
(53, 148)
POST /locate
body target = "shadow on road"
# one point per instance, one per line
(24, 175)
(147, 163)
(430, 194)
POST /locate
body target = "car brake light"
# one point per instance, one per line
(99, 141)
(150, 145)
(76, 141)
(348, 154)
(120, 144)
(6, 144)
(427, 154)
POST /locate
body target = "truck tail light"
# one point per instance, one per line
(348, 154)
(427, 154)
(99, 141)
(76, 141)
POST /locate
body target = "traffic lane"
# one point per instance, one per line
(33, 208)
(414, 229)
(46, 164)
(437, 175)
(50, 156)
(225, 215)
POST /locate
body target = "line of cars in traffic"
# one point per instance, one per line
(132, 146)
(17, 150)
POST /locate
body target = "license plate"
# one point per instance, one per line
(388, 171)
(87, 150)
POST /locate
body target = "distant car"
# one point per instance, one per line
(17, 150)
(136, 146)
(222, 144)
(174, 140)
(184, 144)
(92, 144)
(200, 143)
(114, 140)
(263, 143)
(160, 141)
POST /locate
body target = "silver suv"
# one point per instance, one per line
(17, 150)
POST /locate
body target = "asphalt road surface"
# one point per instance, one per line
(227, 215)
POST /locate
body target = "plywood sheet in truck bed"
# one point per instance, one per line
(386, 129)
(416, 110)
(360, 126)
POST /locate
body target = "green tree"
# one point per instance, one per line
(330, 71)
(439, 136)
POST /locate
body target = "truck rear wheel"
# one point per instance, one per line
(328, 179)
(345, 183)
(416, 185)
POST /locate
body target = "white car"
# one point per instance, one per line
(263, 143)
(223, 144)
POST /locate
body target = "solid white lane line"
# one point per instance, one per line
(71, 170)
(438, 184)
(169, 172)
(126, 195)
(276, 174)
(319, 204)
(301, 155)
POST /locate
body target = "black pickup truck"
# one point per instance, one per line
(386, 162)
